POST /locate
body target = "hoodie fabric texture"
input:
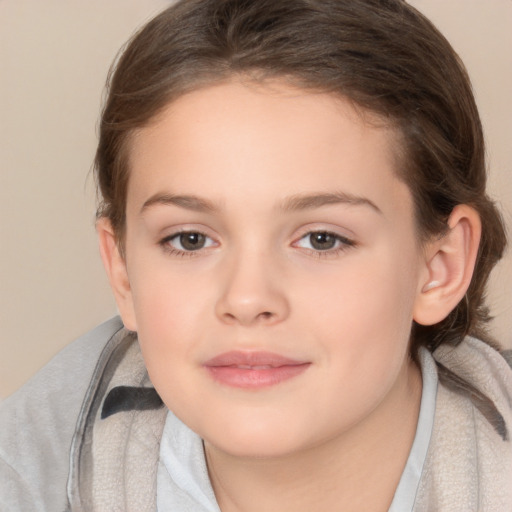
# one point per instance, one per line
(89, 433)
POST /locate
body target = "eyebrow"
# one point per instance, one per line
(188, 202)
(293, 203)
(310, 201)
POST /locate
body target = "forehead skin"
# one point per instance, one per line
(309, 138)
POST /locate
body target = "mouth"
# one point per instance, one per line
(253, 370)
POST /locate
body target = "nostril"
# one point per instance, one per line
(230, 316)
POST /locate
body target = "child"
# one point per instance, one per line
(295, 227)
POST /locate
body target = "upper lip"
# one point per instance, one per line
(252, 359)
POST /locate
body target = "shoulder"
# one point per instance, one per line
(482, 366)
(469, 464)
(484, 376)
(37, 424)
(507, 355)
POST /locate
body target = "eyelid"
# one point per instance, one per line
(170, 231)
(325, 227)
(341, 238)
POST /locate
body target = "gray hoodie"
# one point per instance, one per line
(84, 434)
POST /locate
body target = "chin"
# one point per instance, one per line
(254, 449)
(257, 441)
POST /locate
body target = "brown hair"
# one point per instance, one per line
(383, 55)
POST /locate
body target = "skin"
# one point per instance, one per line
(259, 163)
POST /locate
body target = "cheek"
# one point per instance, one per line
(373, 291)
(170, 307)
(169, 329)
(365, 312)
(363, 326)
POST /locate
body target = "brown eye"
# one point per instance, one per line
(185, 243)
(322, 241)
(192, 241)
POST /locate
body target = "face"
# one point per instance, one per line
(272, 266)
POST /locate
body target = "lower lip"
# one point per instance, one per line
(255, 378)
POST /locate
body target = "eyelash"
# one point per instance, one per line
(343, 244)
(172, 251)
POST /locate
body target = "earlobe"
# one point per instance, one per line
(115, 267)
(450, 262)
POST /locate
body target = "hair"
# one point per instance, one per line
(382, 55)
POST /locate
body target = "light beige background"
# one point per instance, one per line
(54, 56)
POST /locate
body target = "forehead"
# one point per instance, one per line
(262, 141)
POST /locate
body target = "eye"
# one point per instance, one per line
(187, 241)
(324, 241)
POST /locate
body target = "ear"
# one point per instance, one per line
(115, 266)
(450, 262)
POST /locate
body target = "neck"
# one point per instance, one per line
(336, 473)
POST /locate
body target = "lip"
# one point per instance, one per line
(253, 370)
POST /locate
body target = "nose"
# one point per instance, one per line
(252, 292)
